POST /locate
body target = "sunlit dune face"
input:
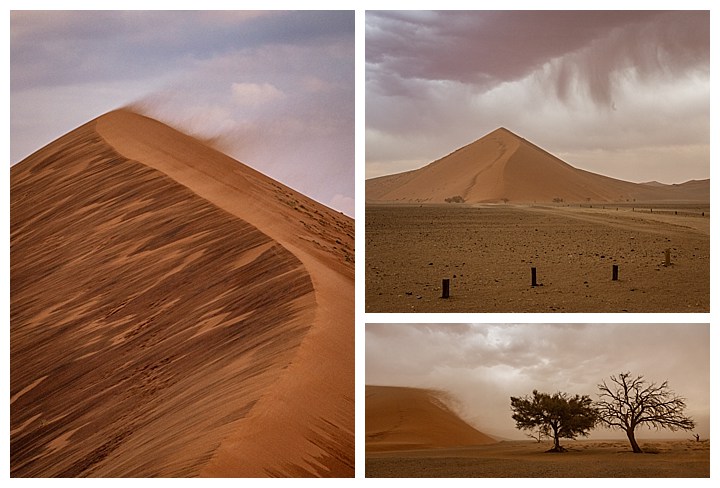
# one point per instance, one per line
(168, 309)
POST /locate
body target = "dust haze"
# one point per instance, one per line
(482, 365)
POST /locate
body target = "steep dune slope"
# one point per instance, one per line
(163, 316)
(399, 418)
(503, 166)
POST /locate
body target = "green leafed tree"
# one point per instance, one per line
(562, 416)
(628, 402)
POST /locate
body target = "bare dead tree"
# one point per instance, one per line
(629, 402)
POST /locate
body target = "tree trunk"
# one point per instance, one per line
(556, 437)
(633, 442)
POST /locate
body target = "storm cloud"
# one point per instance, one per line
(621, 93)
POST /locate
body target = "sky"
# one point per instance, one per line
(274, 90)
(620, 93)
(482, 365)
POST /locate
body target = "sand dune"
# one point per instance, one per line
(503, 166)
(399, 418)
(175, 313)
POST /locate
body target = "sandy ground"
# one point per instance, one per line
(487, 252)
(175, 313)
(520, 459)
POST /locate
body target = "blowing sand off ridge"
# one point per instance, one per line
(399, 418)
(517, 215)
(411, 433)
(174, 313)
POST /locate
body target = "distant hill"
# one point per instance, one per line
(502, 166)
(399, 418)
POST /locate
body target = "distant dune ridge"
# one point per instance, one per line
(401, 418)
(174, 313)
(503, 166)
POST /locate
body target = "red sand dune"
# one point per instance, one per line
(400, 418)
(502, 165)
(175, 313)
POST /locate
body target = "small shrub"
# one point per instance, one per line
(455, 199)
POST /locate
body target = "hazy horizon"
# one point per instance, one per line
(624, 94)
(482, 365)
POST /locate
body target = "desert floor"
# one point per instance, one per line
(487, 252)
(523, 459)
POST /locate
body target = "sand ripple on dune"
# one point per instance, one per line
(144, 321)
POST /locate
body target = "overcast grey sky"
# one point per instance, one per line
(620, 93)
(278, 86)
(482, 365)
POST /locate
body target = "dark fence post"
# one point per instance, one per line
(533, 271)
(615, 272)
(446, 288)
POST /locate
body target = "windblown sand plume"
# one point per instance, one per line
(175, 313)
(503, 166)
(400, 418)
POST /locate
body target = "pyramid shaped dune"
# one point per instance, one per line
(502, 166)
(174, 313)
(401, 418)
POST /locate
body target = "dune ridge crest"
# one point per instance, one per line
(175, 313)
(504, 167)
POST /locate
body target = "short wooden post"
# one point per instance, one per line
(446, 288)
(667, 257)
(533, 272)
(615, 272)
